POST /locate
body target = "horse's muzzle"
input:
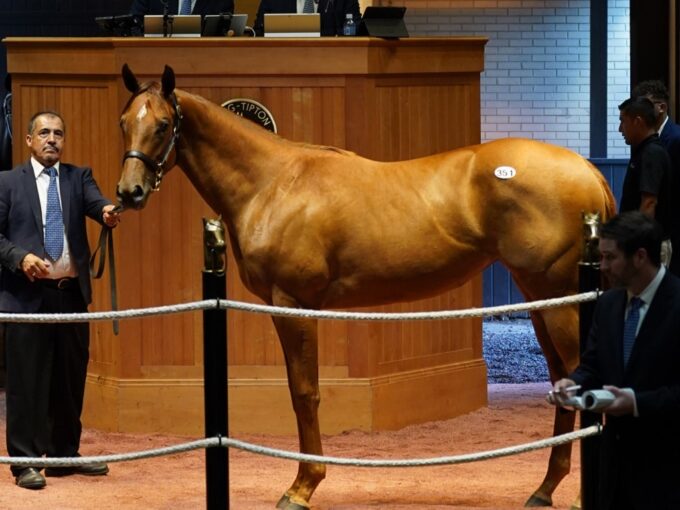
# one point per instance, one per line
(131, 199)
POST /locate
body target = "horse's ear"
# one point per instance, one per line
(130, 79)
(168, 81)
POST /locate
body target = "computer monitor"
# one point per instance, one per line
(121, 26)
(178, 26)
(387, 22)
(219, 25)
(292, 25)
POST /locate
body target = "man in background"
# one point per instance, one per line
(333, 12)
(647, 184)
(669, 136)
(202, 7)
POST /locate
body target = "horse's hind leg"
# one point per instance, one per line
(299, 342)
(557, 332)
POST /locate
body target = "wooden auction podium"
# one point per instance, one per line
(385, 100)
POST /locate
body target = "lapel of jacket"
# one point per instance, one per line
(619, 316)
(65, 178)
(658, 309)
(31, 190)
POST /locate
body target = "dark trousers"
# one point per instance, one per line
(46, 370)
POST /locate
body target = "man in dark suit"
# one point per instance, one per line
(333, 13)
(44, 255)
(202, 7)
(633, 351)
(669, 136)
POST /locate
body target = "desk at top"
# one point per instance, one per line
(384, 99)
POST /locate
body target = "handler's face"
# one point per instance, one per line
(616, 267)
(629, 127)
(47, 139)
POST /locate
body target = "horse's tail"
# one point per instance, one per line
(607, 195)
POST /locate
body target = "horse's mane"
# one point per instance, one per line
(254, 128)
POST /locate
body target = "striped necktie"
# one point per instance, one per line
(54, 221)
(308, 8)
(185, 7)
(630, 327)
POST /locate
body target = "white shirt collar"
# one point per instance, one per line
(662, 125)
(650, 291)
(39, 167)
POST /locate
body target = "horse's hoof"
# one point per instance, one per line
(535, 500)
(286, 504)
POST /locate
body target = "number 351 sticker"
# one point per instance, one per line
(505, 172)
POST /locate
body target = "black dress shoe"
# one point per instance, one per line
(30, 478)
(86, 469)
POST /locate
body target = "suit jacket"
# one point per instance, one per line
(639, 453)
(21, 230)
(332, 13)
(670, 139)
(202, 7)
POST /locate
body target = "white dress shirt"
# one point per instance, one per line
(301, 5)
(61, 268)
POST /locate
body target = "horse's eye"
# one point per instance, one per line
(162, 127)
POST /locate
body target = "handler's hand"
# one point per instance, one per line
(624, 402)
(559, 393)
(110, 215)
(34, 267)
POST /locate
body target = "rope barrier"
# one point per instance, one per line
(303, 457)
(301, 313)
(207, 304)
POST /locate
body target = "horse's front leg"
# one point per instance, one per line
(299, 342)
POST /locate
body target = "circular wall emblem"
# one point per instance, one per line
(252, 110)
(505, 172)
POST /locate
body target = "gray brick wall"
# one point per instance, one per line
(537, 66)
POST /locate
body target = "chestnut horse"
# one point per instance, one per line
(319, 227)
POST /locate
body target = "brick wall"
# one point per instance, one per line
(537, 65)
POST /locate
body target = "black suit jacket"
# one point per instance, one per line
(670, 139)
(202, 7)
(332, 13)
(640, 453)
(21, 230)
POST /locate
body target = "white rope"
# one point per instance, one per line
(216, 304)
(303, 457)
(413, 316)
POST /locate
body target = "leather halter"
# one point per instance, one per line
(157, 167)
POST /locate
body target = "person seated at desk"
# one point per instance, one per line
(202, 7)
(332, 12)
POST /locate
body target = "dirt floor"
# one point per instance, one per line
(517, 414)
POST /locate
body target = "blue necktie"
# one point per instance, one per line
(630, 327)
(185, 7)
(54, 221)
(308, 8)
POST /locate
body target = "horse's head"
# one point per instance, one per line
(150, 124)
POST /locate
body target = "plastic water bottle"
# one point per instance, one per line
(349, 27)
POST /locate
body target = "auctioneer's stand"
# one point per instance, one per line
(384, 99)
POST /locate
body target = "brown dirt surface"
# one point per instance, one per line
(517, 414)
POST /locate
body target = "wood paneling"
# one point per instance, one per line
(386, 100)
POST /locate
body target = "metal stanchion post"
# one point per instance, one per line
(589, 280)
(215, 366)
